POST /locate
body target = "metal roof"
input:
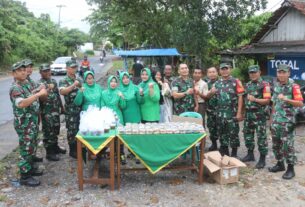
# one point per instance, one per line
(288, 4)
(147, 53)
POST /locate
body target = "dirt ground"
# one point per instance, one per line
(166, 188)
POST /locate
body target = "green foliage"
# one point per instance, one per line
(89, 52)
(195, 27)
(22, 35)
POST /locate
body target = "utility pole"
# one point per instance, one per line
(59, 6)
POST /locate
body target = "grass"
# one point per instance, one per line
(3, 198)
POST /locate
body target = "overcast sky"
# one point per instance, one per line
(75, 11)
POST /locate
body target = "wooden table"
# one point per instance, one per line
(193, 167)
(95, 177)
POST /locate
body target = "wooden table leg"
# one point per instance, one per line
(112, 176)
(118, 163)
(200, 174)
(80, 166)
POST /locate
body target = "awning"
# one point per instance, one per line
(147, 53)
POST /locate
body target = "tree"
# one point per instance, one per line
(198, 27)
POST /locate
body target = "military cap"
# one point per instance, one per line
(283, 67)
(71, 63)
(253, 68)
(27, 62)
(17, 65)
(224, 65)
(44, 66)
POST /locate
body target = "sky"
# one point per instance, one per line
(73, 12)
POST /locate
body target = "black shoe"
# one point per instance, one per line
(261, 163)
(37, 159)
(249, 157)
(138, 161)
(224, 151)
(52, 157)
(72, 150)
(289, 174)
(277, 168)
(123, 160)
(234, 152)
(27, 180)
(36, 172)
(213, 147)
(59, 150)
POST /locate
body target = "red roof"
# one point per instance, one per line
(298, 5)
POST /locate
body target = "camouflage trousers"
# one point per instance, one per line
(72, 124)
(283, 142)
(50, 129)
(256, 122)
(27, 145)
(212, 125)
(228, 129)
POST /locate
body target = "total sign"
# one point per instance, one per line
(297, 65)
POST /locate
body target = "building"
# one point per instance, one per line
(280, 40)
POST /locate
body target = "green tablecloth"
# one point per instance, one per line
(96, 143)
(157, 150)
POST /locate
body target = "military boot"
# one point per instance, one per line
(72, 150)
(213, 147)
(59, 150)
(280, 166)
(249, 157)
(224, 151)
(51, 155)
(261, 163)
(27, 180)
(289, 174)
(35, 171)
(234, 152)
(37, 159)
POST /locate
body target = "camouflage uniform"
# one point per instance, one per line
(227, 104)
(50, 113)
(255, 117)
(25, 123)
(72, 111)
(212, 113)
(186, 103)
(283, 122)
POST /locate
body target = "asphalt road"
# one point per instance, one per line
(8, 136)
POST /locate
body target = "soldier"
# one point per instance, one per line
(183, 92)
(26, 109)
(29, 69)
(258, 96)
(229, 105)
(50, 114)
(211, 107)
(286, 97)
(33, 87)
(68, 87)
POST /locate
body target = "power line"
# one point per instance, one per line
(59, 6)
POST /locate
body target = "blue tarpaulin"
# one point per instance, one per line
(147, 52)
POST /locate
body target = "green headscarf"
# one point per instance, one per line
(93, 91)
(111, 94)
(145, 84)
(127, 90)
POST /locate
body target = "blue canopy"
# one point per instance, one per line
(147, 53)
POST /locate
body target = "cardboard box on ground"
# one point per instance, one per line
(223, 169)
